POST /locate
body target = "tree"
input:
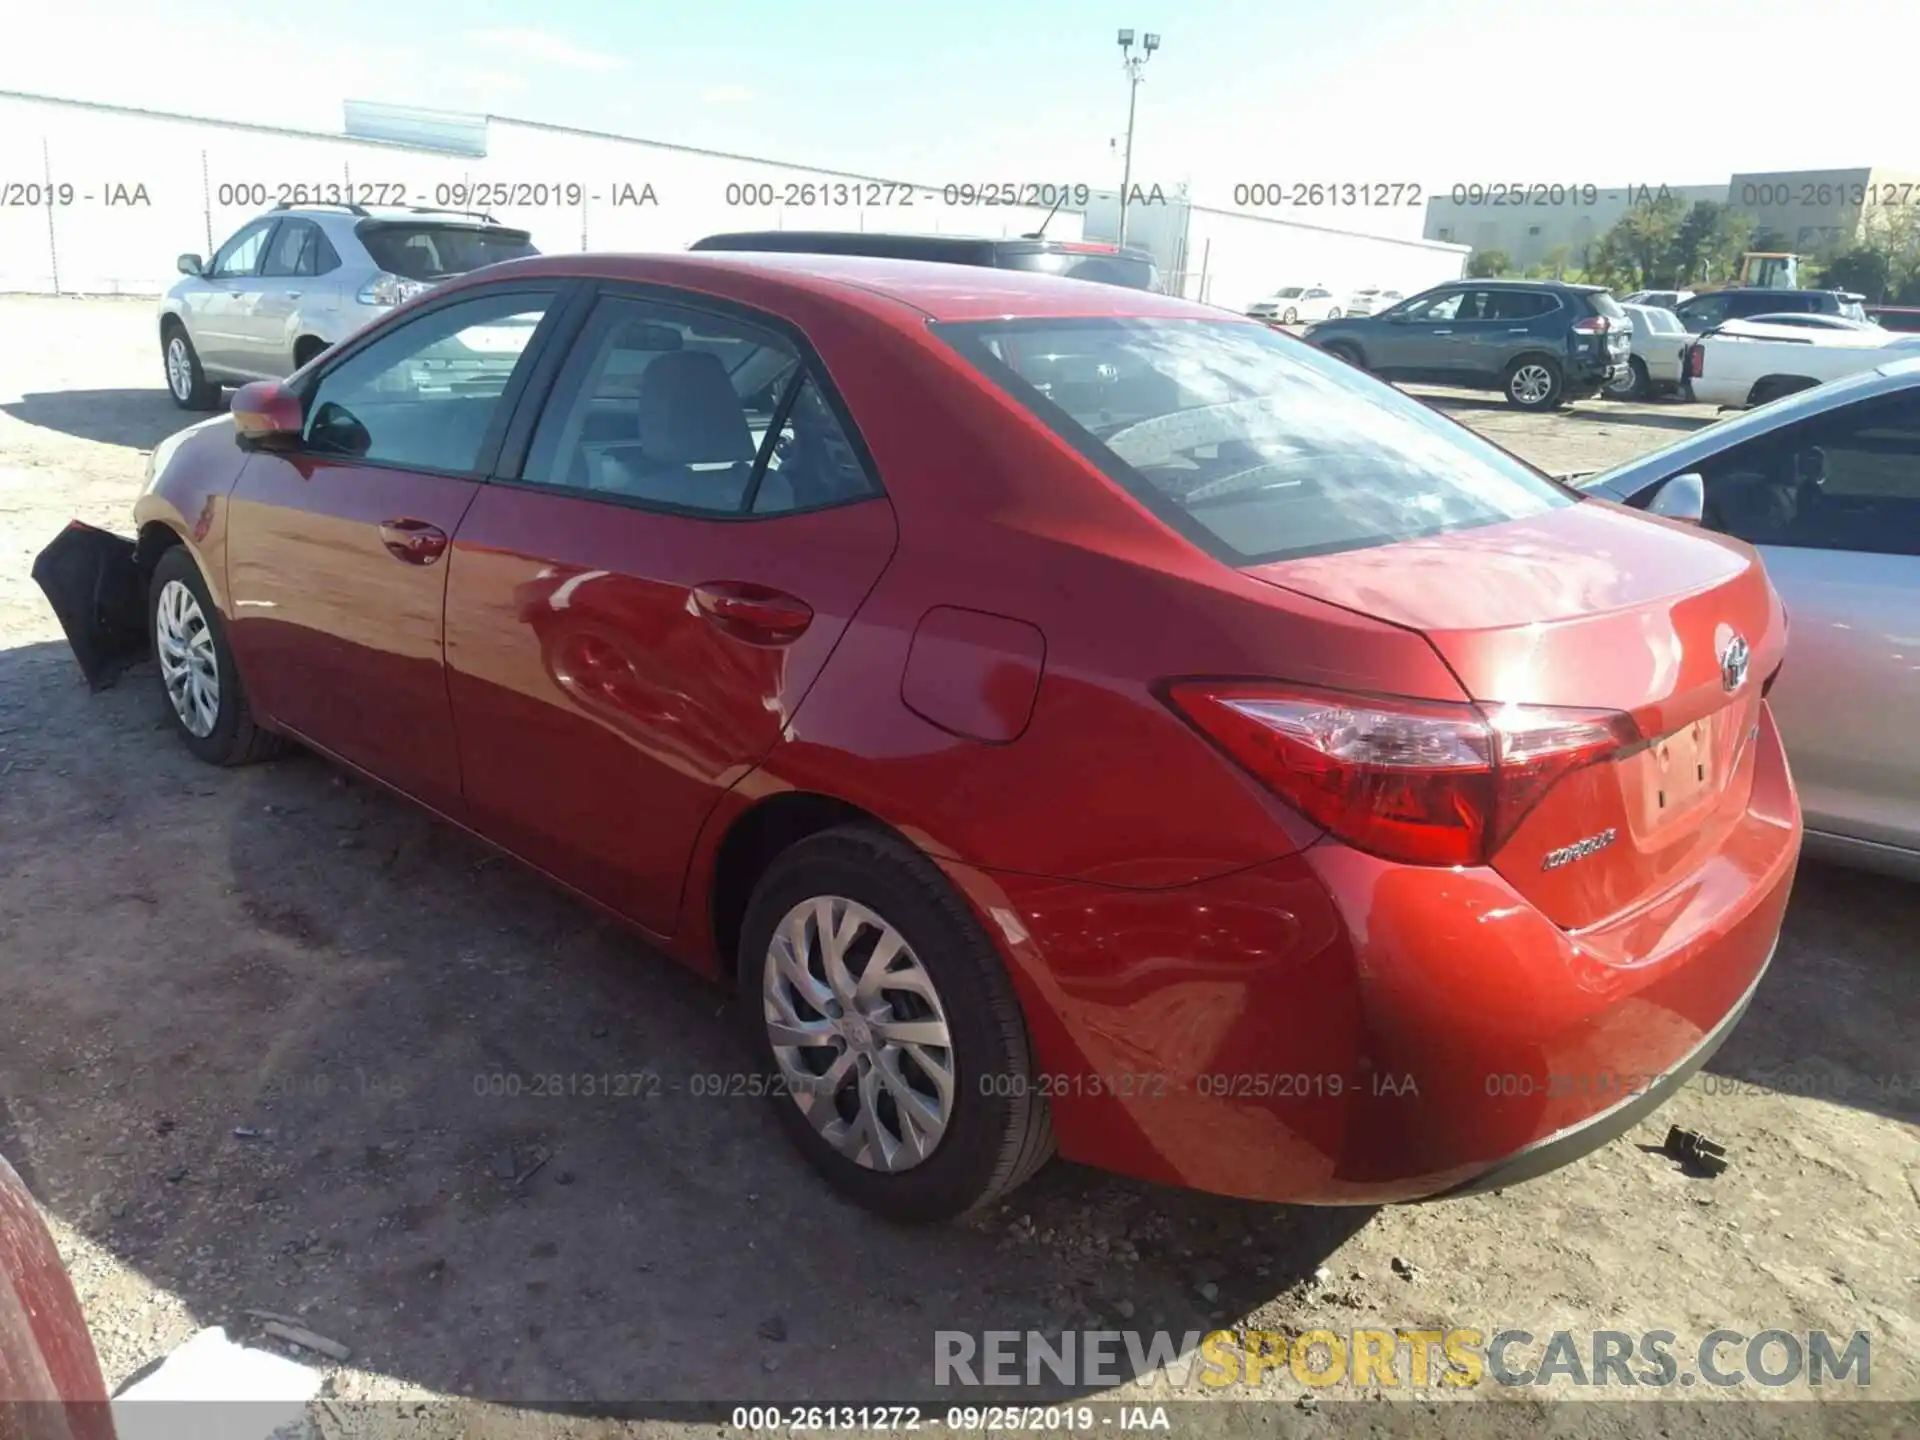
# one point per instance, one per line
(1488, 264)
(1647, 233)
(1733, 234)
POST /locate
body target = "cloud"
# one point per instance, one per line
(540, 45)
(727, 95)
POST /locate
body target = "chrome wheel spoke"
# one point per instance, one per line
(189, 664)
(858, 1029)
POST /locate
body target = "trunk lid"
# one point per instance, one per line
(1593, 607)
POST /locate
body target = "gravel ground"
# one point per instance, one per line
(248, 1017)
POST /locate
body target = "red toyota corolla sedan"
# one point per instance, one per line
(1079, 719)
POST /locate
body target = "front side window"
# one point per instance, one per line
(678, 407)
(241, 255)
(1440, 307)
(1252, 446)
(1845, 480)
(427, 393)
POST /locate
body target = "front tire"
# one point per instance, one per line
(1534, 382)
(1292, 317)
(199, 683)
(187, 383)
(877, 1008)
(1334, 313)
(1347, 353)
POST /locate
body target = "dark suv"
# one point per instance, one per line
(1130, 267)
(1703, 312)
(1540, 343)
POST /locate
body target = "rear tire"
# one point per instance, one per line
(1534, 382)
(1347, 353)
(1334, 313)
(1292, 317)
(199, 685)
(833, 1089)
(187, 383)
(1634, 385)
(305, 348)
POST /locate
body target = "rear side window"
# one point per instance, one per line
(1104, 268)
(1254, 447)
(434, 252)
(1605, 304)
(1518, 305)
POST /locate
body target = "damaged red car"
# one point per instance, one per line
(1076, 719)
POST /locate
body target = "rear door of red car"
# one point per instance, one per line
(336, 547)
(683, 522)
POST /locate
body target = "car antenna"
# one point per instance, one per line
(1041, 233)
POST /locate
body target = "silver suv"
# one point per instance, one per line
(304, 277)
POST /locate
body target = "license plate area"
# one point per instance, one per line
(1674, 777)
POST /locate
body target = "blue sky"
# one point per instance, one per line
(1397, 90)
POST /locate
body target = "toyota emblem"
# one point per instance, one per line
(1733, 664)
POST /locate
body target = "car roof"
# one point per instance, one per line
(795, 240)
(938, 291)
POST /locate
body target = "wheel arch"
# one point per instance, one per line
(750, 842)
(1774, 387)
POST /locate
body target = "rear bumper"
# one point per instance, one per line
(1335, 1029)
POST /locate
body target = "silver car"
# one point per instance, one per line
(1659, 353)
(301, 278)
(1826, 483)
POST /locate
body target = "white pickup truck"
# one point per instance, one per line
(1743, 364)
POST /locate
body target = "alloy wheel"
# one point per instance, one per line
(858, 1033)
(179, 367)
(189, 668)
(1531, 384)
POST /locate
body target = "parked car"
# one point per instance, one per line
(1293, 304)
(1659, 299)
(1743, 364)
(1827, 486)
(1905, 318)
(1539, 342)
(1060, 708)
(300, 278)
(1703, 312)
(1657, 364)
(50, 1381)
(1806, 321)
(1129, 266)
(1372, 300)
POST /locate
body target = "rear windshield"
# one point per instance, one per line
(1605, 304)
(1107, 269)
(433, 252)
(1254, 446)
(1853, 309)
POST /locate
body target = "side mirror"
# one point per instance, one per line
(1683, 498)
(268, 414)
(190, 265)
(1398, 317)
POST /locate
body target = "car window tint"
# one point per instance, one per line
(1518, 305)
(240, 256)
(1846, 480)
(674, 406)
(1446, 307)
(292, 251)
(426, 393)
(1251, 446)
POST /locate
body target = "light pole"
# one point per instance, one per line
(1135, 66)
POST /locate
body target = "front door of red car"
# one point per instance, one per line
(633, 620)
(337, 548)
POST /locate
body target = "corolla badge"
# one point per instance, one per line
(1733, 664)
(1580, 849)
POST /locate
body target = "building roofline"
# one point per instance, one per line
(254, 127)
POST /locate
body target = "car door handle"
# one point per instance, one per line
(294, 294)
(757, 614)
(414, 541)
(1519, 330)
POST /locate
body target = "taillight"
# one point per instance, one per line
(1593, 325)
(386, 290)
(1696, 361)
(1420, 781)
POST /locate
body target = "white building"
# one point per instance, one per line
(1231, 258)
(103, 199)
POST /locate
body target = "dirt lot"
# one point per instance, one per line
(190, 953)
